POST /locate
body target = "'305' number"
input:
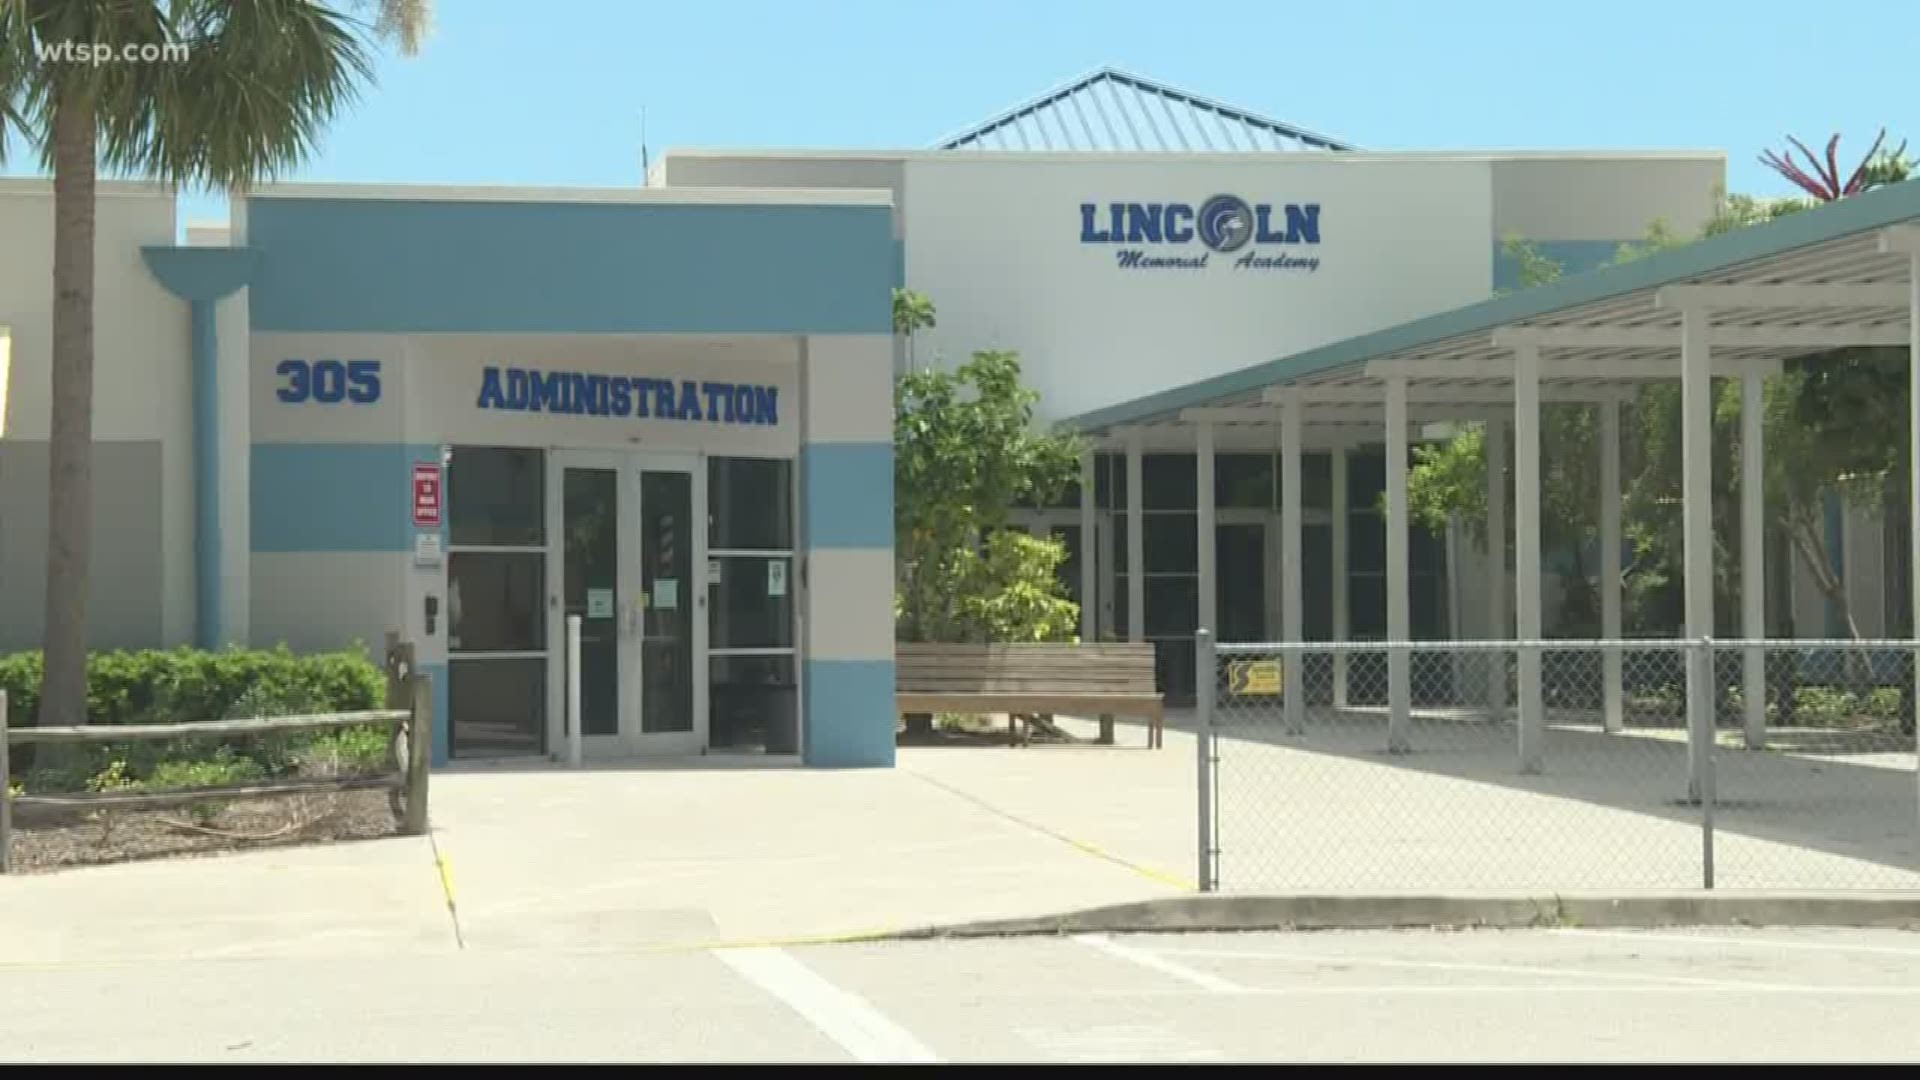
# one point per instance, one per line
(329, 382)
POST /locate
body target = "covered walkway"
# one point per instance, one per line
(1732, 307)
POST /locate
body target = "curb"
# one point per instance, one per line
(1479, 911)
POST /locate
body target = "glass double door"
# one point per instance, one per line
(625, 560)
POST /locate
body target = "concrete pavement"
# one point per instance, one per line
(714, 850)
(1727, 996)
(696, 854)
(633, 857)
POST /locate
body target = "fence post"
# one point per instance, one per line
(6, 788)
(1206, 683)
(419, 754)
(1701, 705)
(399, 665)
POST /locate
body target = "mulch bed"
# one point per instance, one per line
(239, 826)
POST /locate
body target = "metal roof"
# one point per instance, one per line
(1113, 110)
(1816, 280)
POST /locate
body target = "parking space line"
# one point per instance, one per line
(1156, 962)
(847, 1018)
(1485, 969)
(1721, 942)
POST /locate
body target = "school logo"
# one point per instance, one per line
(1225, 223)
(1177, 236)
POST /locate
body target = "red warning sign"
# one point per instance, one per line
(426, 495)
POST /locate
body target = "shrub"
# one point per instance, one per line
(1825, 707)
(223, 769)
(347, 752)
(185, 685)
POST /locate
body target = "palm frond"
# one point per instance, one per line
(261, 82)
(15, 47)
(406, 23)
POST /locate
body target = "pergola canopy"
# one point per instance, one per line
(1826, 278)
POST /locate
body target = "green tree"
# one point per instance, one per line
(260, 79)
(966, 450)
(912, 313)
(1834, 422)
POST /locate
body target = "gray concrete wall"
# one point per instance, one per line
(125, 605)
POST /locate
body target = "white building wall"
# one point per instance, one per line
(1604, 198)
(142, 591)
(995, 241)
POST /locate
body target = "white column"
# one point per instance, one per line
(1136, 545)
(1208, 537)
(1613, 710)
(1399, 612)
(1499, 612)
(1342, 619)
(1292, 622)
(1696, 494)
(1526, 551)
(1089, 552)
(1753, 563)
(1913, 450)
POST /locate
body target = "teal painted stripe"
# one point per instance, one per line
(208, 632)
(334, 496)
(202, 276)
(399, 266)
(848, 495)
(850, 718)
(1574, 257)
(1889, 205)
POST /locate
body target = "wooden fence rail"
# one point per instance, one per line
(405, 777)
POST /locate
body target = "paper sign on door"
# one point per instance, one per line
(776, 578)
(599, 603)
(666, 593)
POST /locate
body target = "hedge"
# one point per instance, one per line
(184, 685)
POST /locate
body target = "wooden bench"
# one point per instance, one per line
(1104, 680)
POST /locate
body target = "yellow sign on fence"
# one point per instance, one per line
(1253, 677)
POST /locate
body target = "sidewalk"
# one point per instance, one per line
(698, 855)
(668, 856)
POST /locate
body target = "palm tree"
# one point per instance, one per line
(912, 312)
(242, 94)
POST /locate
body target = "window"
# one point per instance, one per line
(753, 700)
(1366, 479)
(751, 504)
(1244, 481)
(496, 497)
(751, 601)
(1173, 543)
(1169, 481)
(495, 601)
(1316, 481)
(496, 610)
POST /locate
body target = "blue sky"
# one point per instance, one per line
(550, 93)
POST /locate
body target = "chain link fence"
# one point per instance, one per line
(1388, 768)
